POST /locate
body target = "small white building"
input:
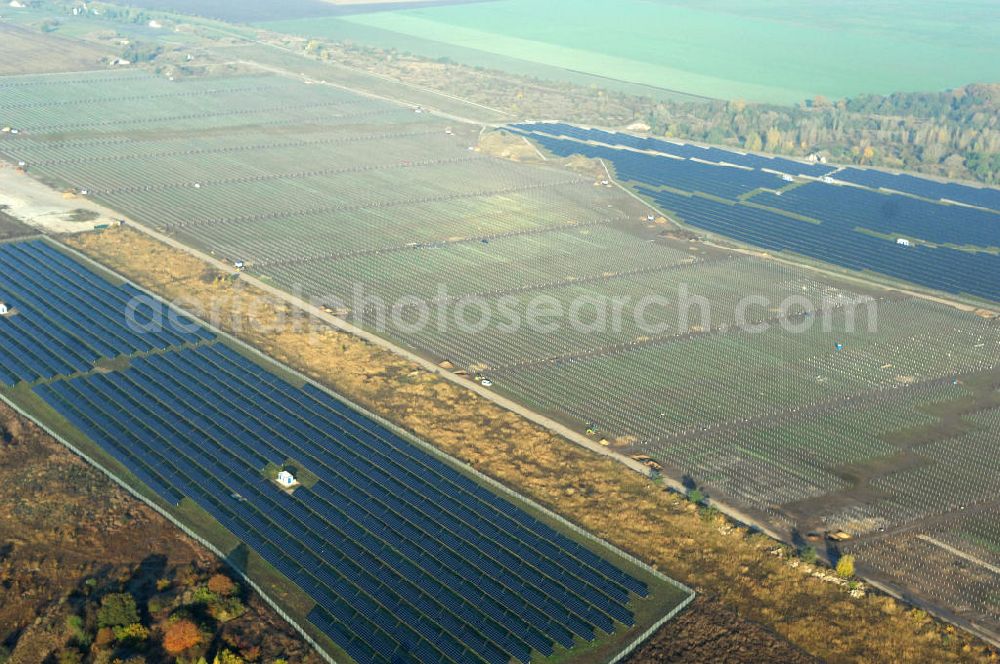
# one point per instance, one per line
(3, 309)
(903, 242)
(286, 479)
(155, 24)
(17, 4)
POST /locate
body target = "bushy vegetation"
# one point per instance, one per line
(176, 617)
(845, 567)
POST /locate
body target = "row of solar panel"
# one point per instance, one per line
(979, 196)
(390, 521)
(985, 197)
(884, 213)
(64, 317)
(243, 502)
(941, 268)
(318, 403)
(685, 150)
(722, 181)
(318, 399)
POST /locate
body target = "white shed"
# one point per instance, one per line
(286, 479)
(3, 309)
(903, 242)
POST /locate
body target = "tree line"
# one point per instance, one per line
(955, 133)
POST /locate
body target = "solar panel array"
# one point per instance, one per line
(852, 219)
(909, 184)
(889, 214)
(722, 181)
(407, 559)
(945, 269)
(685, 150)
(63, 317)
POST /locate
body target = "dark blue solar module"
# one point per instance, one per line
(844, 211)
(891, 214)
(839, 243)
(408, 560)
(65, 317)
(685, 150)
(909, 184)
(722, 181)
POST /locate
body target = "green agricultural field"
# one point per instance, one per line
(786, 51)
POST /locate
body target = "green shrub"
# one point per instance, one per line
(117, 609)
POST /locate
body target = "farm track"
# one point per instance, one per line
(943, 518)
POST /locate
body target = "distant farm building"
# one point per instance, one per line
(17, 4)
(155, 24)
(120, 62)
(903, 242)
(3, 309)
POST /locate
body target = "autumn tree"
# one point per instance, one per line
(131, 633)
(221, 585)
(180, 636)
(845, 567)
(773, 140)
(228, 657)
